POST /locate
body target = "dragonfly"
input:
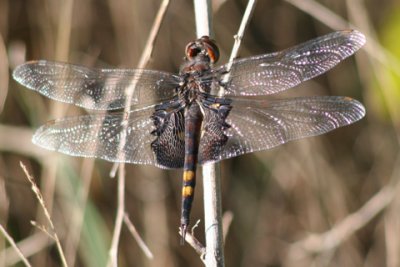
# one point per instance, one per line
(203, 114)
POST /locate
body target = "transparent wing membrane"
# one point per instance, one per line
(260, 125)
(99, 136)
(98, 89)
(231, 126)
(276, 72)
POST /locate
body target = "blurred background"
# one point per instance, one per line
(331, 200)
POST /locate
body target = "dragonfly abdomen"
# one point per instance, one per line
(193, 121)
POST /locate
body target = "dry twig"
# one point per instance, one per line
(12, 243)
(39, 196)
(121, 175)
(137, 237)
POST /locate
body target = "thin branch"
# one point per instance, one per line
(145, 57)
(39, 196)
(137, 237)
(121, 175)
(149, 47)
(194, 243)
(113, 252)
(251, 5)
(331, 239)
(12, 243)
(352, 223)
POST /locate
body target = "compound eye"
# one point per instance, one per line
(192, 50)
(211, 47)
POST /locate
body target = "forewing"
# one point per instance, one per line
(276, 72)
(98, 89)
(99, 136)
(260, 125)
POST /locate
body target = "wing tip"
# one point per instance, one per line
(18, 73)
(357, 38)
(36, 138)
(356, 106)
(24, 71)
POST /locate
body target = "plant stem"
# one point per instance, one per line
(211, 172)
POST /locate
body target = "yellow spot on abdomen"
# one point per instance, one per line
(188, 176)
(187, 191)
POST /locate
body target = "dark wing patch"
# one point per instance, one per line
(169, 146)
(213, 138)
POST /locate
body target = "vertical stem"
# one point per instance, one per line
(203, 17)
(113, 252)
(211, 172)
(212, 215)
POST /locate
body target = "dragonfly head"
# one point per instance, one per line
(204, 47)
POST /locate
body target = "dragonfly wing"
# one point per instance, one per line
(98, 89)
(99, 135)
(260, 125)
(276, 72)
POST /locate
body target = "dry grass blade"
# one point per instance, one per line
(22, 144)
(121, 176)
(334, 237)
(3, 74)
(39, 196)
(12, 243)
(352, 223)
(137, 237)
(145, 57)
(251, 5)
(29, 246)
(120, 211)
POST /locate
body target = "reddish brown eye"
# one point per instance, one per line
(192, 50)
(205, 46)
(212, 48)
